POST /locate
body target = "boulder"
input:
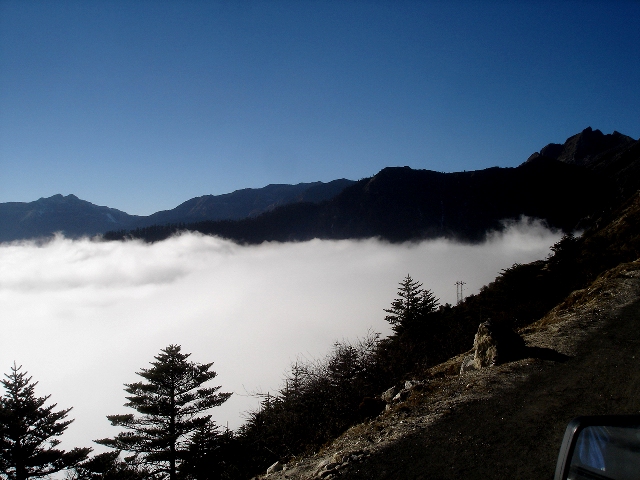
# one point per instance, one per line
(401, 393)
(467, 364)
(411, 384)
(495, 344)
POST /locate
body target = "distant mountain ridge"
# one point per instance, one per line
(248, 202)
(566, 185)
(401, 204)
(68, 214)
(75, 217)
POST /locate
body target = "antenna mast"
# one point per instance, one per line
(459, 294)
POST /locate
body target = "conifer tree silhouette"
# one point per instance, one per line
(170, 401)
(28, 431)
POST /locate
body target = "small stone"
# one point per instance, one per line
(402, 396)
(467, 364)
(276, 467)
(388, 395)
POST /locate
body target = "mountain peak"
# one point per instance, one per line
(584, 147)
(59, 198)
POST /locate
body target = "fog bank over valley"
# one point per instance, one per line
(83, 316)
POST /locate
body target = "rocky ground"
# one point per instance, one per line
(506, 421)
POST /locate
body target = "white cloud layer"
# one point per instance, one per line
(82, 317)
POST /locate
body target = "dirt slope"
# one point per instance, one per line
(504, 422)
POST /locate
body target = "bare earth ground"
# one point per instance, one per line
(504, 422)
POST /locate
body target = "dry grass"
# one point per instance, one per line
(586, 298)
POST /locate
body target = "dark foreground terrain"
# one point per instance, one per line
(504, 422)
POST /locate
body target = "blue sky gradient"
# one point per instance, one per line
(143, 105)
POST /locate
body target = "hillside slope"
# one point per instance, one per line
(507, 421)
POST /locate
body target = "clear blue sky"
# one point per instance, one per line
(142, 105)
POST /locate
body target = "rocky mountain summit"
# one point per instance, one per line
(586, 148)
(613, 156)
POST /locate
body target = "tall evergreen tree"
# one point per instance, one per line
(171, 402)
(411, 307)
(28, 431)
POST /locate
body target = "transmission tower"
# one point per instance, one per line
(459, 294)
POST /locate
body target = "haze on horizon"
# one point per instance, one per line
(83, 316)
(141, 106)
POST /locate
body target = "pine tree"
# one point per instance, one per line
(170, 402)
(28, 431)
(412, 306)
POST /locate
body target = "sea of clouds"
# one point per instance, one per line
(83, 316)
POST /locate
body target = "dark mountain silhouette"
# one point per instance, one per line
(568, 186)
(75, 218)
(402, 204)
(586, 147)
(613, 156)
